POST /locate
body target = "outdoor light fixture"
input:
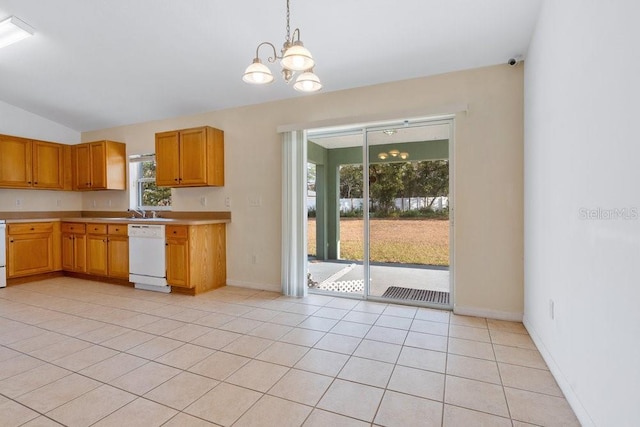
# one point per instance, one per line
(293, 57)
(13, 30)
(393, 153)
(389, 132)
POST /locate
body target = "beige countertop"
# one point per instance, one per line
(161, 221)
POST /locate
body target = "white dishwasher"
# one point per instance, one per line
(147, 261)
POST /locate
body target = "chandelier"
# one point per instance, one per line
(294, 57)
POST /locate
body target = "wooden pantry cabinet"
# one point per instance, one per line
(190, 157)
(108, 250)
(99, 165)
(26, 163)
(33, 248)
(196, 257)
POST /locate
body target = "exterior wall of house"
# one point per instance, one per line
(582, 230)
(487, 182)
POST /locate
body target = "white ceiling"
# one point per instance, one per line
(103, 63)
(397, 134)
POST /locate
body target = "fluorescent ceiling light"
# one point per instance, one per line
(13, 30)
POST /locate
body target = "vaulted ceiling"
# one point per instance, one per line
(97, 64)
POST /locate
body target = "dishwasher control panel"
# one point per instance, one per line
(146, 231)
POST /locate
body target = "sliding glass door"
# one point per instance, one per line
(408, 227)
(336, 227)
(378, 203)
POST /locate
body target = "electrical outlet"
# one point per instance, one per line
(227, 202)
(552, 309)
(109, 203)
(254, 259)
(58, 202)
(18, 203)
(255, 201)
(203, 201)
(94, 203)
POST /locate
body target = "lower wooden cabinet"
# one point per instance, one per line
(74, 247)
(30, 249)
(196, 257)
(177, 253)
(195, 254)
(108, 250)
(117, 251)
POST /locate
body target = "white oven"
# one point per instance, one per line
(3, 254)
(147, 268)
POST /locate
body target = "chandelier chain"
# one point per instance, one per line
(288, 27)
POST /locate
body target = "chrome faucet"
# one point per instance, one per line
(140, 212)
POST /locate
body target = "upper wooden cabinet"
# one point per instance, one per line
(25, 163)
(190, 157)
(99, 165)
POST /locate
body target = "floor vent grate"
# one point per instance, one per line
(436, 297)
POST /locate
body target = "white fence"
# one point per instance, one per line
(402, 204)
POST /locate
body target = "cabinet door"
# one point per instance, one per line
(193, 157)
(97, 254)
(119, 257)
(81, 154)
(48, 167)
(80, 253)
(178, 262)
(29, 254)
(68, 255)
(98, 165)
(167, 159)
(15, 162)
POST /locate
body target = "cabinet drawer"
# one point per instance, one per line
(74, 227)
(97, 228)
(117, 229)
(27, 228)
(180, 231)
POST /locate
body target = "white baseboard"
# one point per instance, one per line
(252, 285)
(563, 383)
(490, 314)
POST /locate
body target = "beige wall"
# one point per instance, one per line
(488, 175)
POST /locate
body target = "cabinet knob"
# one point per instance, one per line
(28, 182)
(35, 182)
(175, 232)
(32, 229)
(176, 179)
(11, 241)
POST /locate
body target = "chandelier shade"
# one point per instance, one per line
(297, 58)
(307, 82)
(257, 73)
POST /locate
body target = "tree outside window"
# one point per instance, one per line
(145, 193)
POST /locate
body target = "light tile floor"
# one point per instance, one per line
(83, 353)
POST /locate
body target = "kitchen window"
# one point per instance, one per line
(144, 193)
